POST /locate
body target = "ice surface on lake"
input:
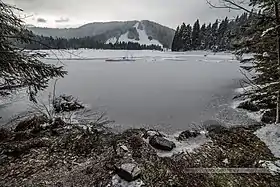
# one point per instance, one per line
(163, 90)
(91, 54)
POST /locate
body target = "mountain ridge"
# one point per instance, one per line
(103, 31)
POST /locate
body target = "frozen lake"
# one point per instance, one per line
(163, 90)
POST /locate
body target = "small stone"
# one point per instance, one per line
(162, 143)
(129, 171)
(124, 148)
(226, 161)
(265, 54)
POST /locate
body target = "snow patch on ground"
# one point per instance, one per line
(236, 103)
(118, 182)
(272, 166)
(270, 135)
(257, 116)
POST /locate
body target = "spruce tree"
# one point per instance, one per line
(186, 37)
(196, 35)
(21, 68)
(208, 36)
(203, 37)
(174, 46)
(214, 31)
(222, 34)
(182, 37)
(261, 37)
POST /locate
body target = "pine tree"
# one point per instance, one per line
(185, 33)
(203, 37)
(261, 37)
(21, 68)
(196, 35)
(222, 34)
(214, 31)
(208, 36)
(188, 38)
(174, 46)
(182, 37)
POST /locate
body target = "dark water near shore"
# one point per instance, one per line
(167, 93)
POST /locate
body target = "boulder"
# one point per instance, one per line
(161, 143)
(269, 116)
(188, 134)
(129, 171)
(248, 105)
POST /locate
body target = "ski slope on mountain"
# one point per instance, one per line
(112, 40)
(143, 37)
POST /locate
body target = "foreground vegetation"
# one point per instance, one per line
(60, 154)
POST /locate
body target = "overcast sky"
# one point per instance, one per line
(72, 13)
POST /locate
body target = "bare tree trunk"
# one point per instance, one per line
(278, 51)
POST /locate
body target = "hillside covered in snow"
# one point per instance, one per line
(137, 34)
(143, 32)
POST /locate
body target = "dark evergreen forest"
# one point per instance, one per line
(42, 42)
(218, 36)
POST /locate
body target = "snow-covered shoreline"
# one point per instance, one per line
(269, 133)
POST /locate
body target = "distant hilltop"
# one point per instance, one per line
(143, 32)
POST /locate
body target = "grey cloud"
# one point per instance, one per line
(62, 20)
(167, 12)
(41, 20)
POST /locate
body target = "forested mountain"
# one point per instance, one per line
(142, 32)
(217, 36)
